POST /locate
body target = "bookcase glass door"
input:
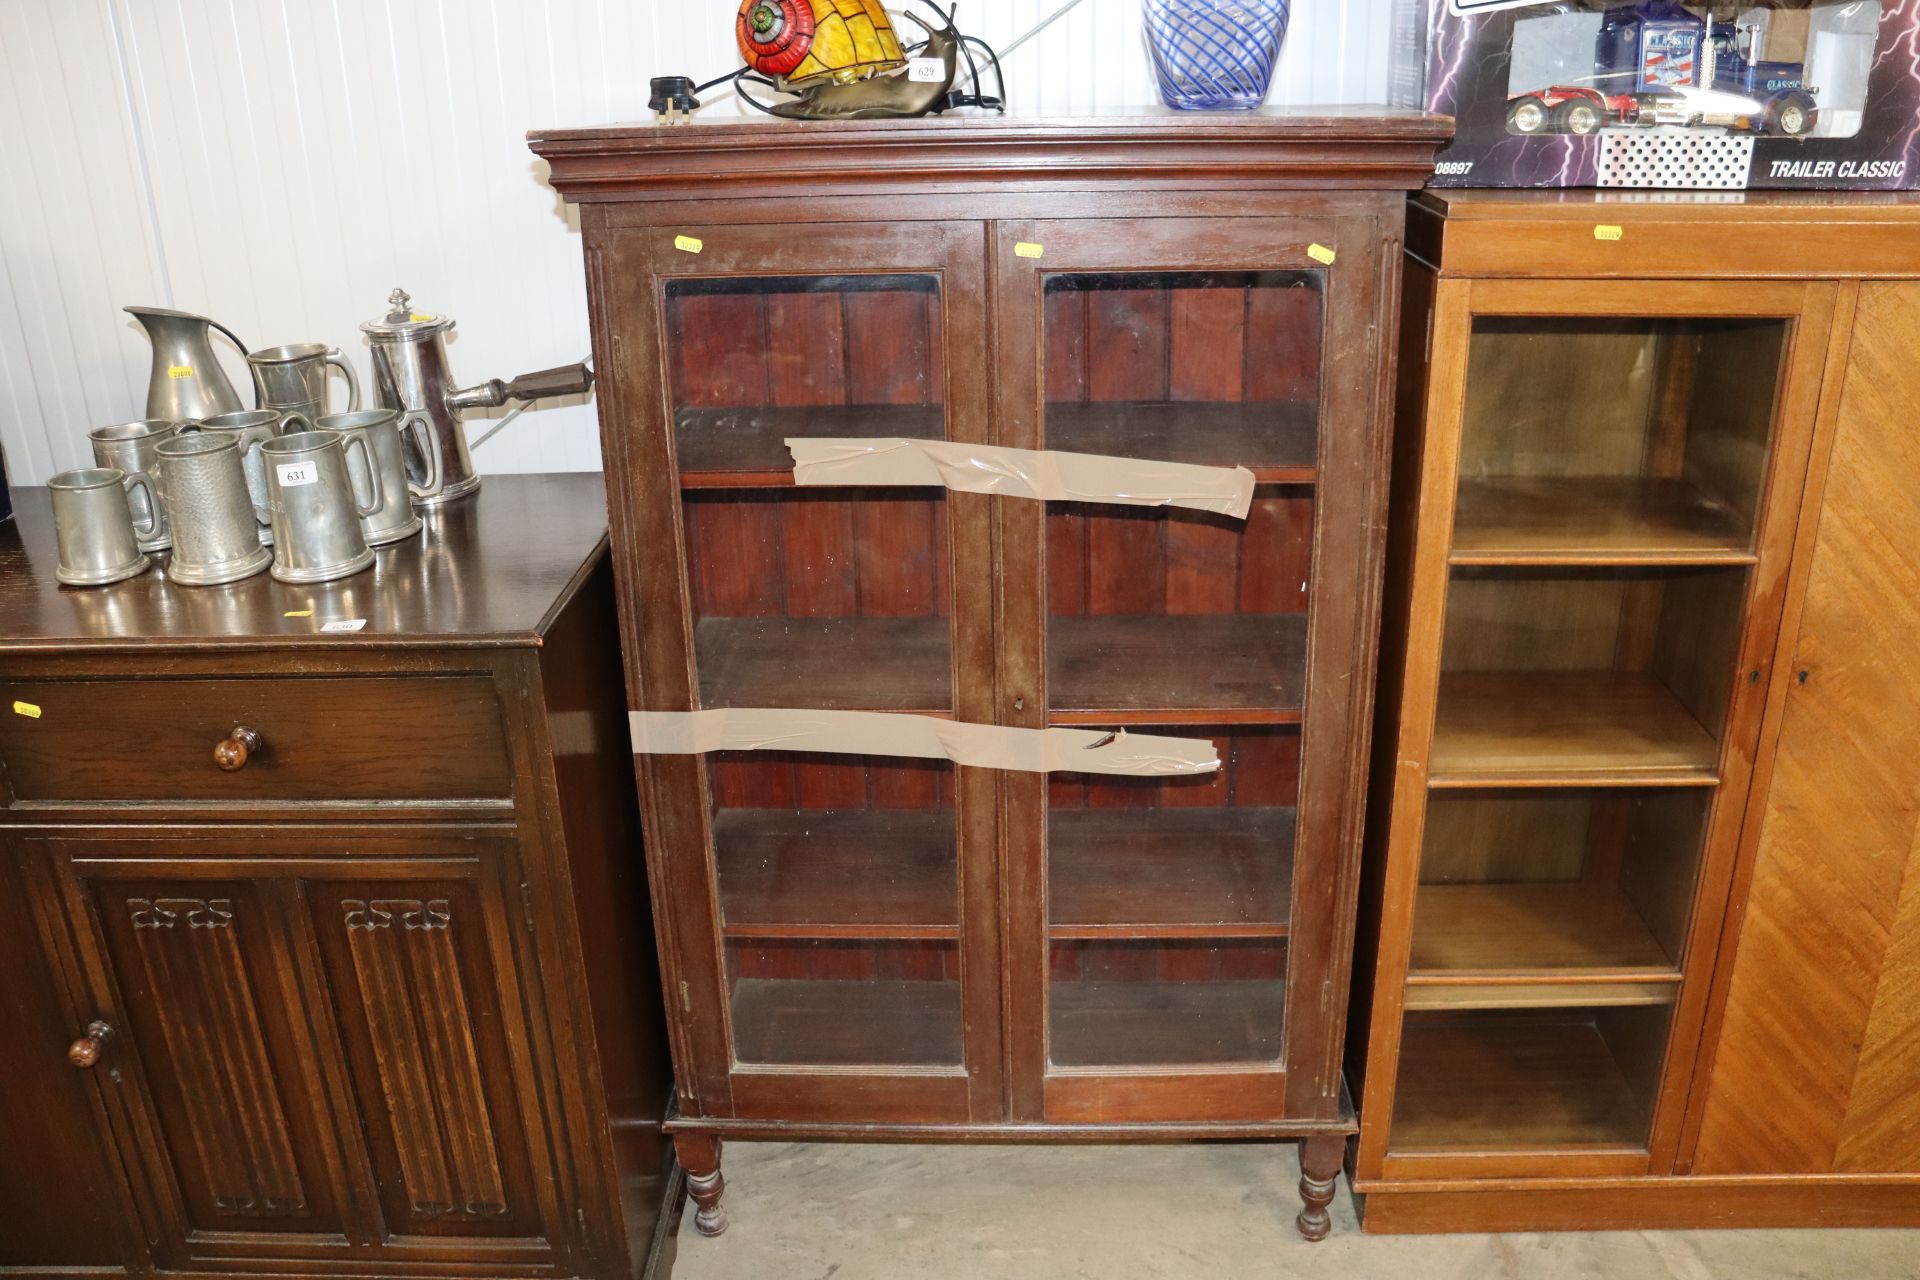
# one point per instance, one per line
(837, 877)
(1612, 473)
(1168, 899)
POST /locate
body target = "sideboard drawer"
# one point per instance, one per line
(319, 738)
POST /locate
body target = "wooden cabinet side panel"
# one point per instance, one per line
(1817, 1067)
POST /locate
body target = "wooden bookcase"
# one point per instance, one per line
(1608, 408)
(871, 947)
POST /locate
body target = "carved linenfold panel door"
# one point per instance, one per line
(313, 1057)
(419, 1008)
(1817, 1069)
(210, 1011)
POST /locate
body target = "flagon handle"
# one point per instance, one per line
(567, 380)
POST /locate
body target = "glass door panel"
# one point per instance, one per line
(1612, 476)
(1610, 439)
(1168, 899)
(821, 597)
(837, 878)
(1218, 368)
(840, 905)
(1168, 908)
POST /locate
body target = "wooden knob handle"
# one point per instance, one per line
(85, 1051)
(233, 751)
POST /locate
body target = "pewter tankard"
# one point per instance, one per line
(316, 505)
(130, 446)
(292, 380)
(186, 381)
(251, 428)
(410, 374)
(380, 430)
(216, 527)
(93, 527)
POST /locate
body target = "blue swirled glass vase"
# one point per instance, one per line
(1214, 53)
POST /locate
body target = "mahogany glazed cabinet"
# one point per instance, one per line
(324, 951)
(1641, 917)
(883, 947)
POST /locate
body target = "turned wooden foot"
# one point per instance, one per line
(1319, 1167)
(700, 1156)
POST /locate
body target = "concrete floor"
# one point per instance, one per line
(1212, 1212)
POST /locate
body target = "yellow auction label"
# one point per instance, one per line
(1607, 231)
(179, 371)
(1320, 254)
(27, 709)
(1027, 249)
(298, 613)
(689, 244)
(419, 317)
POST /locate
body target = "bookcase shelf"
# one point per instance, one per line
(1595, 520)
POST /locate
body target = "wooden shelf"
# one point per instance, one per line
(1187, 872)
(1118, 669)
(1164, 1024)
(1584, 728)
(889, 664)
(1595, 520)
(1176, 668)
(1277, 440)
(812, 873)
(732, 448)
(844, 1023)
(1496, 1085)
(1539, 994)
(741, 447)
(1543, 931)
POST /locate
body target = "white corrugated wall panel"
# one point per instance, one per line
(282, 164)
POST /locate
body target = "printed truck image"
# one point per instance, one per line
(1656, 63)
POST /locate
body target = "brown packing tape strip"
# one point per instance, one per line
(1021, 473)
(883, 733)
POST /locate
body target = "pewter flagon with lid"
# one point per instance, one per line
(410, 373)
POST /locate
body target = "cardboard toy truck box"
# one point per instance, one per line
(1653, 93)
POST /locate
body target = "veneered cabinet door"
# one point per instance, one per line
(1815, 1068)
(313, 1058)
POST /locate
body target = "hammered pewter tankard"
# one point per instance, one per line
(380, 430)
(316, 505)
(130, 446)
(251, 428)
(292, 380)
(186, 381)
(216, 527)
(410, 374)
(93, 526)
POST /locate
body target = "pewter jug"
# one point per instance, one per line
(130, 446)
(292, 381)
(385, 452)
(316, 505)
(186, 382)
(216, 527)
(93, 527)
(410, 374)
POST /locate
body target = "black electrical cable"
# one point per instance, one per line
(734, 74)
(742, 79)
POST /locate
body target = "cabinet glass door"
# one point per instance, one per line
(1619, 472)
(1166, 932)
(838, 879)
